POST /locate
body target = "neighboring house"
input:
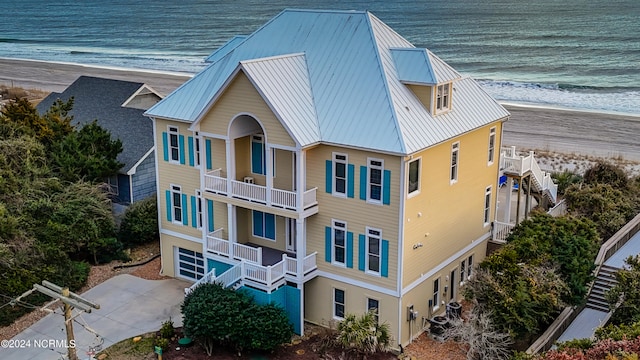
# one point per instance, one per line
(325, 163)
(119, 107)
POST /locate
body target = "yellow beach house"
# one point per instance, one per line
(326, 164)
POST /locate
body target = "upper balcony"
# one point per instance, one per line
(217, 183)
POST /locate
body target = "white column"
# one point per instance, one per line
(301, 248)
(301, 178)
(232, 227)
(231, 168)
(269, 171)
(301, 288)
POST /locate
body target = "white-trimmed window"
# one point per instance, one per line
(374, 180)
(174, 144)
(463, 271)
(455, 158)
(199, 211)
(373, 305)
(469, 266)
(374, 242)
(258, 156)
(487, 206)
(413, 186)
(340, 162)
(339, 303)
(492, 145)
(176, 203)
(339, 242)
(436, 294)
(443, 97)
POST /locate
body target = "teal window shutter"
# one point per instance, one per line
(351, 174)
(270, 226)
(384, 271)
(257, 158)
(329, 176)
(168, 197)
(258, 226)
(181, 149)
(327, 244)
(207, 145)
(194, 212)
(386, 191)
(185, 211)
(362, 248)
(210, 213)
(165, 146)
(191, 154)
(363, 183)
(349, 249)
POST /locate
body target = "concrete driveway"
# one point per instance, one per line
(129, 306)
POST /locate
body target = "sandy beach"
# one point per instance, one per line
(554, 130)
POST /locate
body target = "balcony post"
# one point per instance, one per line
(300, 179)
(269, 171)
(231, 228)
(301, 248)
(231, 169)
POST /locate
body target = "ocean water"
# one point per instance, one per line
(581, 54)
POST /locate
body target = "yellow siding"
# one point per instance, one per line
(167, 243)
(218, 154)
(284, 170)
(446, 217)
(241, 97)
(358, 214)
(318, 305)
(220, 218)
(185, 176)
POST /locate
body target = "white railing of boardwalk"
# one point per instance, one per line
(501, 230)
(216, 244)
(216, 183)
(248, 253)
(291, 265)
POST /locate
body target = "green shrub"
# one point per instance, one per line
(364, 333)
(140, 223)
(606, 173)
(166, 330)
(161, 342)
(214, 316)
(619, 332)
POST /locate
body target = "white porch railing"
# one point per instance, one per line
(207, 278)
(219, 246)
(501, 231)
(217, 184)
(231, 276)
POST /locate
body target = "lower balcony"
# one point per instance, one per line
(215, 183)
(262, 267)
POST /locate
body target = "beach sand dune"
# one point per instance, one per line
(565, 131)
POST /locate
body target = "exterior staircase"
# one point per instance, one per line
(511, 163)
(604, 281)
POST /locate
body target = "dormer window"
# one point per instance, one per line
(443, 97)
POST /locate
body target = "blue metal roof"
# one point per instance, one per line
(225, 49)
(348, 81)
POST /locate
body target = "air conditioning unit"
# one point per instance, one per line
(249, 180)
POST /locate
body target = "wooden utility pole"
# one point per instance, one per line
(71, 301)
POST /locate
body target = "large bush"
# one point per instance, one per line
(214, 316)
(140, 223)
(624, 297)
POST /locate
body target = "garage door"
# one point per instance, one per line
(189, 264)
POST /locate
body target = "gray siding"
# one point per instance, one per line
(144, 180)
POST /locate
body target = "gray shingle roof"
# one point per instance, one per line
(101, 99)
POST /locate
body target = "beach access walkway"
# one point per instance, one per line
(589, 319)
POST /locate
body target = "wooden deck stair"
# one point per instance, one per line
(511, 163)
(604, 282)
